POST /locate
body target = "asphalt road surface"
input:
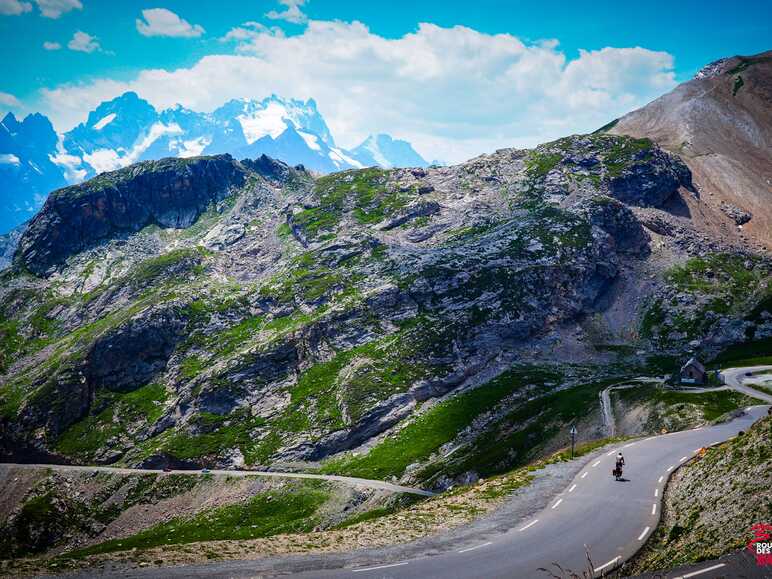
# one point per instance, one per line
(594, 514)
(611, 518)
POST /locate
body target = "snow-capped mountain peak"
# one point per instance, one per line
(128, 129)
(270, 117)
(381, 150)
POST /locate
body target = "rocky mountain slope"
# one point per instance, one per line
(720, 123)
(213, 311)
(35, 160)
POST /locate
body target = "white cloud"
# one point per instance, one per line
(51, 45)
(163, 22)
(293, 13)
(9, 159)
(83, 42)
(452, 92)
(14, 7)
(249, 31)
(8, 100)
(55, 8)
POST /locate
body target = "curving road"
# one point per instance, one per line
(733, 378)
(353, 481)
(613, 519)
(610, 519)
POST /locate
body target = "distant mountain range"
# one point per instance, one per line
(34, 160)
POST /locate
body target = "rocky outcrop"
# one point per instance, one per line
(652, 182)
(619, 222)
(739, 216)
(129, 357)
(168, 193)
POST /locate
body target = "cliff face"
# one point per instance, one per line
(720, 123)
(169, 193)
(209, 311)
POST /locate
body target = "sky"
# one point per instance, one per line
(454, 78)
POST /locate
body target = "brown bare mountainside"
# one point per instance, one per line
(720, 123)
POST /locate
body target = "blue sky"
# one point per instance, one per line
(111, 54)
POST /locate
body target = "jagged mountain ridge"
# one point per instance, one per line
(27, 173)
(128, 129)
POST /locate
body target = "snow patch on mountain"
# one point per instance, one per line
(270, 121)
(190, 148)
(311, 140)
(104, 121)
(111, 159)
(339, 157)
(383, 151)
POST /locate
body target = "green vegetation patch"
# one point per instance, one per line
(539, 163)
(752, 353)
(522, 433)
(746, 63)
(710, 405)
(622, 152)
(290, 510)
(213, 434)
(435, 427)
(363, 191)
(737, 84)
(719, 284)
(121, 413)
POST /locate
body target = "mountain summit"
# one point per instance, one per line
(383, 151)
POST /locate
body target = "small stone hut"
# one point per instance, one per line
(693, 372)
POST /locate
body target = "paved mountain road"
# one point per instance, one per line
(733, 378)
(611, 519)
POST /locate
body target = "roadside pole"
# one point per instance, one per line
(573, 439)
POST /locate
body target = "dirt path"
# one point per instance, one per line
(358, 482)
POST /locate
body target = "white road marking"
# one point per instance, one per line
(701, 571)
(654, 509)
(610, 453)
(379, 567)
(648, 439)
(572, 489)
(602, 567)
(596, 463)
(555, 506)
(656, 492)
(683, 458)
(584, 475)
(628, 445)
(642, 535)
(660, 479)
(670, 468)
(715, 443)
(529, 525)
(475, 547)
